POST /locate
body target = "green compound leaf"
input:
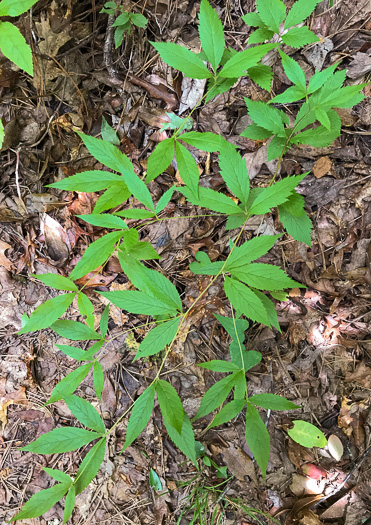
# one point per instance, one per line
(266, 116)
(322, 118)
(121, 20)
(273, 402)
(246, 301)
(58, 475)
(204, 266)
(182, 59)
(271, 310)
(204, 141)
(135, 213)
(299, 37)
(234, 172)
(253, 19)
(240, 387)
(235, 327)
(187, 167)
(260, 35)
(152, 283)
(274, 195)
(11, 8)
(96, 254)
(307, 434)
(320, 77)
(291, 94)
(228, 412)
(293, 71)
(256, 132)
(251, 358)
(136, 249)
(88, 181)
(165, 199)
(160, 159)
(157, 339)
(299, 227)
(107, 154)
(244, 60)
(140, 415)
(138, 188)
(78, 353)
(211, 199)
(108, 133)
(104, 221)
(265, 277)
(235, 221)
(98, 379)
(138, 19)
(276, 148)
(86, 308)
(300, 11)
(116, 195)
(74, 330)
(320, 136)
(184, 440)
(220, 366)
(47, 313)
(85, 413)
(59, 440)
(250, 251)
(69, 384)
(211, 34)
(272, 12)
(139, 302)
(257, 437)
(41, 502)
(69, 504)
(218, 86)
(54, 280)
(170, 404)
(14, 46)
(216, 395)
(261, 75)
(90, 466)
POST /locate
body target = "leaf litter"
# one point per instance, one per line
(322, 358)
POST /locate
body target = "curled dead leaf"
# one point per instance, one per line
(4, 261)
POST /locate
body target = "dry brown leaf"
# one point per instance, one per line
(361, 375)
(9, 398)
(4, 261)
(352, 419)
(322, 166)
(239, 463)
(56, 240)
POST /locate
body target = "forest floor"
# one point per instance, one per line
(321, 359)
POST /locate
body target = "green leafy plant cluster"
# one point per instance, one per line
(124, 21)
(250, 287)
(12, 43)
